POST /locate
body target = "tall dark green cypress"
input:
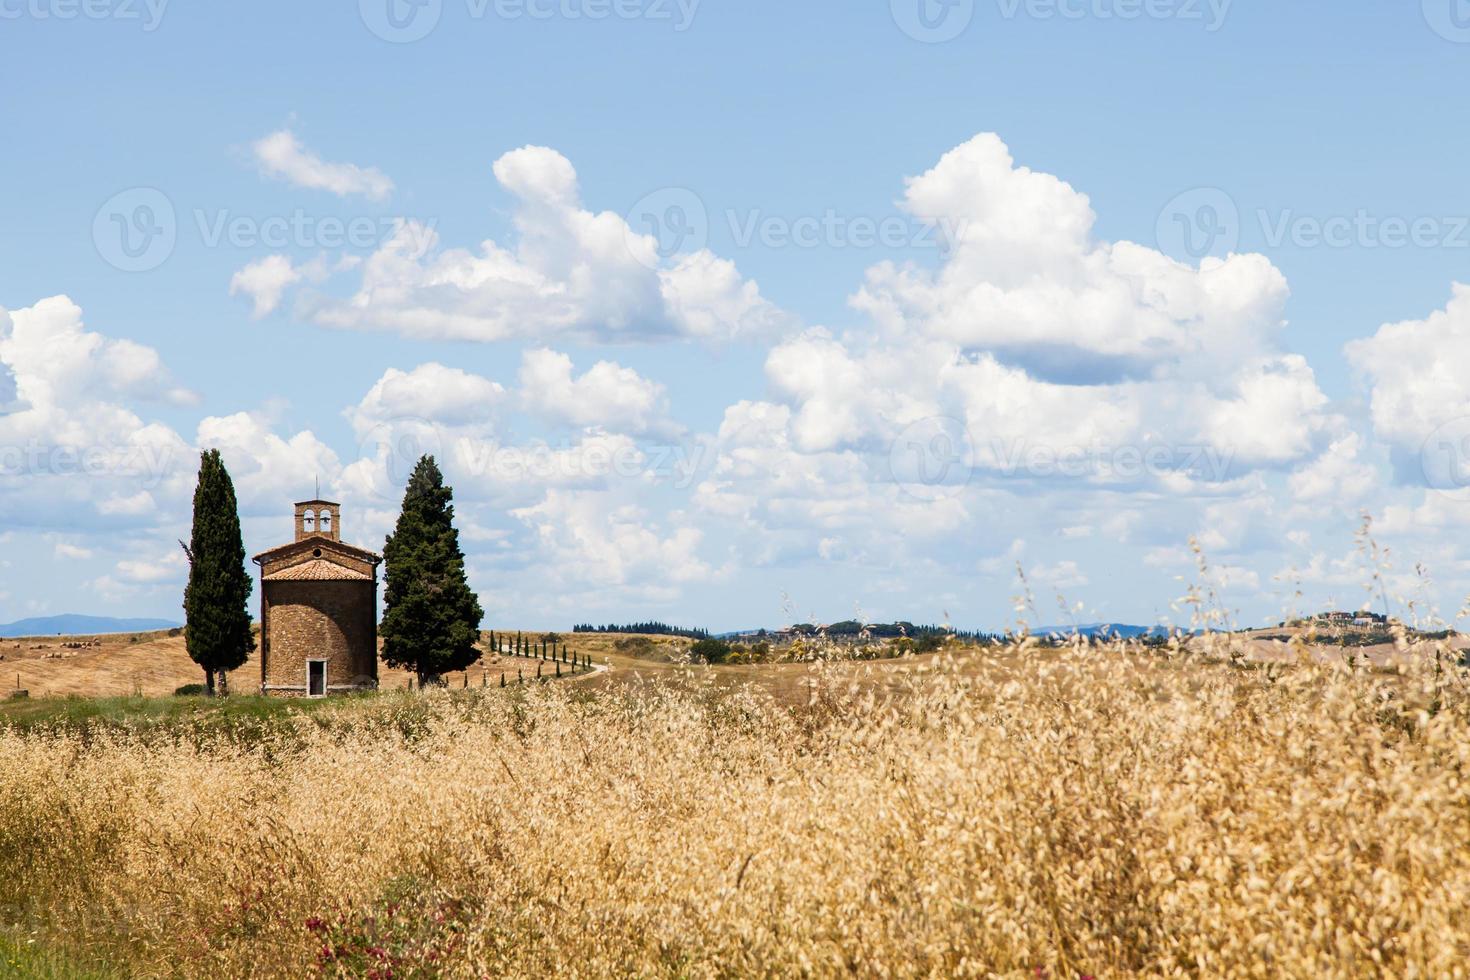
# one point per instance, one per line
(431, 618)
(216, 600)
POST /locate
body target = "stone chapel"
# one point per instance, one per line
(318, 610)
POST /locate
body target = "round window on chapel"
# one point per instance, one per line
(316, 553)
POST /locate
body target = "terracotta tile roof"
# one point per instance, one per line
(318, 570)
(317, 541)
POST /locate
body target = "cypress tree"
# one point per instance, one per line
(216, 600)
(431, 618)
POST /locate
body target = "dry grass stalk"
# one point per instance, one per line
(1093, 812)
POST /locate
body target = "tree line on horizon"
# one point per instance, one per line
(431, 617)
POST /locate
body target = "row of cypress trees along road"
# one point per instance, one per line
(431, 618)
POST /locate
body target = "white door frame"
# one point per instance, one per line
(323, 662)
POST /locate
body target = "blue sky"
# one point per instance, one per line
(773, 343)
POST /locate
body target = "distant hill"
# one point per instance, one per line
(1123, 631)
(1093, 630)
(644, 629)
(71, 624)
(853, 628)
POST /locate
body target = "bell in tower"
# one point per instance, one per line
(318, 518)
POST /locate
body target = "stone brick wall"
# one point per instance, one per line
(335, 621)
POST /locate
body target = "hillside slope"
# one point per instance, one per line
(72, 624)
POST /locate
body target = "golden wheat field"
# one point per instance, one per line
(989, 812)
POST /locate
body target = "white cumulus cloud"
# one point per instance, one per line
(283, 156)
(607, 395)
(570, 272)
(1417, 389)
(430, 392)
(264, 282)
